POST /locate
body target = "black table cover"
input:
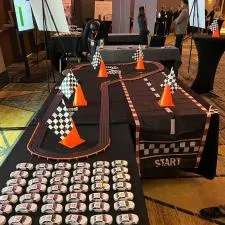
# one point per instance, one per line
(123, 39)
(210, 51)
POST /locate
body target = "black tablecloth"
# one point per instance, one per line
(123, 39)
(210, 51)
(169, 56)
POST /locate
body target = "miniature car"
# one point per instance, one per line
(117, 170)
(74, 219)
(121, 177)
(19, 173)
(98, 197)
(20, 220)
(119, 163)
(76, 197)
(26, 208)
(62, 166)
(122, 186)
(24, 166)
(59, 180)
(79, 179)
(2, 220)
(99, 207)
(101, 171)
(59, 173)
(57, 189)
(5, 209)
(16, 182)
(52, 208)
(41, 180)
(100, 187)
(29, 198)
(54, 219)
(124, 205)
(76, 207)
(44, 166)
(81, 165)
(81, 171)
(78, 188)
(101, 219)
(52, 198)
(98, 164)
(127, 219)
(126, 195)
(100, 178)
(42, 173)
(7, 199)
(9, 190)
(36, 188)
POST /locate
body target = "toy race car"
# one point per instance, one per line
(59, 173)
(124, 205)
(81, 171)
(119, 163)
(42, 173)
(59, 180)
(16, 182)
(100, 178)
(44, 166)
(57, 189)
(101, 219)
(79, 179)
(52, 208)
(126, 195)
(127, 219)
(19, 173)
(101, 171)
(5, 209)
(9, 190)
(76, 197)
(26, 208)
(74, 219)
(122, 186)
(40, 180)
(20, 220)
(118, 170)
(98, 197)
(52, 198)
(2, 220)
(8, 199)
(81, 165)
(121, 177)
(76, 207)
(24, 166)
(62, 166)
(99, 164)
(78, 188)
(100, 186)
(36, 188)
(54, 219)
(99, 207)
(30, 198)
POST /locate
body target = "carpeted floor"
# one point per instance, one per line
(171, 201)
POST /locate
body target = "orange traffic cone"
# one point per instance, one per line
(216, 33)
(73, 139)
(140, 64)
(166, 98)
(102, 70)
(79, 98)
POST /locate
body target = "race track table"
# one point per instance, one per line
(123, 39)
(210, 50)
(168, 55)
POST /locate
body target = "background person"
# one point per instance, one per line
(169, 20)
(181, 23)
(143, 28)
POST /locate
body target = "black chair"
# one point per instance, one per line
(157, 41)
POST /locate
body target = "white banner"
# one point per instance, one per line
(150, 11)
(121, 16)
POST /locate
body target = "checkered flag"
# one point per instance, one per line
(96, 61)
(214, 26)
(171, 80)
(60, 121)
(68, 85)
(138, 53)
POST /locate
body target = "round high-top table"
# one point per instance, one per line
(210, 51)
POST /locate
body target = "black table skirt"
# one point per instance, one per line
(210, 51)
(123, 39)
